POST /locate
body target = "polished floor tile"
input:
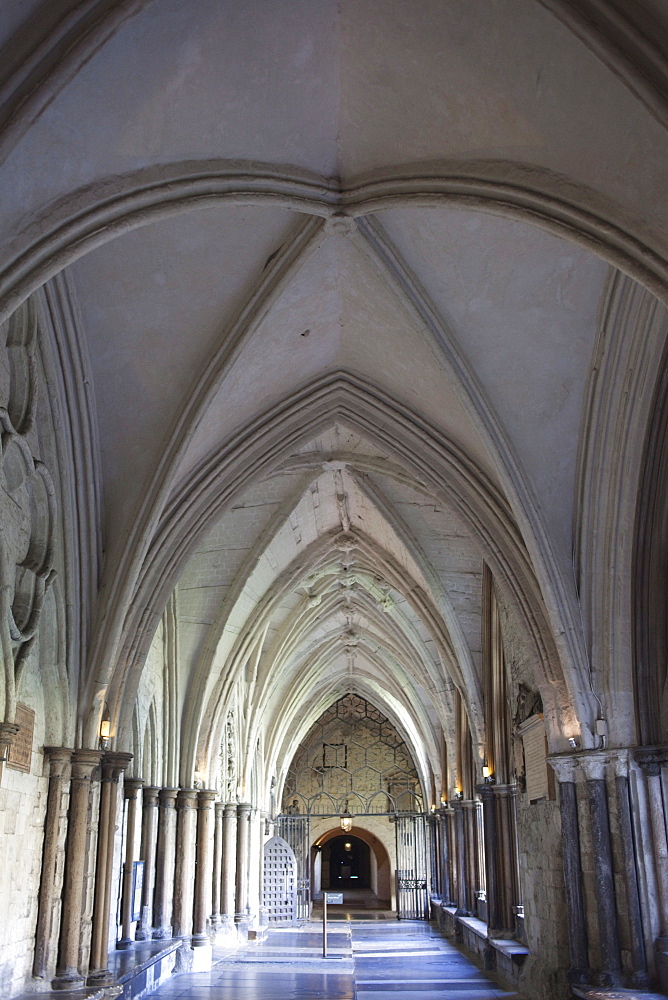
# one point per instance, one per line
(379, 960)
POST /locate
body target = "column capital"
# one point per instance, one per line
(59, 758)
(84, 763)
(150, 795)
(114, 764)
(167, 797)
(132, 787)
(564, 766)
(219, 808)
(230, 810)
(594, 764)
(8, 731)
(205, 797)
(186, 798)
(244, 808)
(651, 759)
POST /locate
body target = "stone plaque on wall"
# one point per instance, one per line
(20, 752)
(534, 742)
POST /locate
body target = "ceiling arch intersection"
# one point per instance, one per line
(433, 463)
(401, 620)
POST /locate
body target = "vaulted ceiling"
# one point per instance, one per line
(337, 268)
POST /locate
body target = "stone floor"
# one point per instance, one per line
(367, 960)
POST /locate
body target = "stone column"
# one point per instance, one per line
(640, 975)
(113, 765)
(243, 844)
(202, 906)
(651, 760)
(59, 759)
(217, 864)
(164, 864)
(491, 835)
(68, 976)
(564, 768)
(182, 922)
(227, 879)
(443, 860)
(460, 846)
(149, 833)
(131, 789)
(593, 764)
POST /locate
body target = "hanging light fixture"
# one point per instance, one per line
(346, 819)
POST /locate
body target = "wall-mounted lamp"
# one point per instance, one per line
(198, 781)
(105, 733)
(487, 775)
(573, 743)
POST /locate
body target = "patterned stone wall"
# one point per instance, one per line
(353, 758)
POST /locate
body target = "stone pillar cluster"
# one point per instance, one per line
(614, 826)
(196, 855)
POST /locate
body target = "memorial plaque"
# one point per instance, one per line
(20, 752)
(534, 742)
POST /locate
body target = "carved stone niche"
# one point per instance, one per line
(529, 703)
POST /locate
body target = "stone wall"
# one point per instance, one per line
(540, 852)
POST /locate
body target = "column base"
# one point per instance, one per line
(242, 923)
(162, 933)
(70, 980)
(661, 952)
(101, 977)
(124, 944)
(202, 956)
(578, 977)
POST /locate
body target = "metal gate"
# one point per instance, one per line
(279, 897)
(296, 831)
(412, 867)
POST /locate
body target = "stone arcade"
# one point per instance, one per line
(334, 407)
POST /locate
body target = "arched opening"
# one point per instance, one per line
(370, 858)
(346, 863)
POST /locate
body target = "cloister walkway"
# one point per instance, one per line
(373, 959)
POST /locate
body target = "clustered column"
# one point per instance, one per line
(182, 919)
(68, 976)
(59, 760)
(131, 789)
(202, 904)
(164, 866)
(243, 846)
(149, 834)
(228, 882)
(113, 765)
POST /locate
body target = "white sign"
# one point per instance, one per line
(535, 758)
(334, 897)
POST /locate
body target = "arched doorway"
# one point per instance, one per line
(346, 863)
(368, 858)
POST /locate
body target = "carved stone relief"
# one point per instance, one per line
(27, 501)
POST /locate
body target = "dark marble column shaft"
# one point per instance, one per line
(604, 884)
(573, 882)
